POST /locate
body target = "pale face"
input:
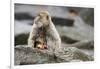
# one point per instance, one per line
(43, 19)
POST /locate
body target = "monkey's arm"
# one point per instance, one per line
(32, 36)
(55, 37)
(33, 32)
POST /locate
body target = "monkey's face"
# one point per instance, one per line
(43, 19)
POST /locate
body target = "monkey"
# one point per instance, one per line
(53, 40)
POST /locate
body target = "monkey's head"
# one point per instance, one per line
(43, 19)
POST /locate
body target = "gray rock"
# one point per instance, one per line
(25, 55)
(73, 53)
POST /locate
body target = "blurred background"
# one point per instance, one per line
(74, 24)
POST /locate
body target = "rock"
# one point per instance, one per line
(73, 53)
(25, 55)
(85, 44)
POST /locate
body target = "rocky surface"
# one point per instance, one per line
(25, 55)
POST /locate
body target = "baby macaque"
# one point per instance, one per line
(40, 41)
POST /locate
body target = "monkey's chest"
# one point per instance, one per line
(40, 40)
